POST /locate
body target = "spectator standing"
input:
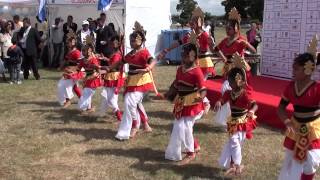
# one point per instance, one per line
(69, 26)
(252, 36)
(57, 41)
(30, 40)
(103, 18)
(17, 23)
(99, 33)
(5, 40)
(15, 59)
(83, 34)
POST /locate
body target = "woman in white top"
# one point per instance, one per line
(5, 40)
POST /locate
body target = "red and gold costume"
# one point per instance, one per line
(204, 61)
(239, 108)
(114, 78)
(141, 82)
(305, 118)
(188, 107)
(188, 83)
(91, 80)
(72, 59)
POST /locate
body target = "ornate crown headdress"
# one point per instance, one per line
(71, 34)
(89, 40)
(198, 13)
(234, 15)
(193, 38)
(241, 63)
(138, 27)
(310, 66)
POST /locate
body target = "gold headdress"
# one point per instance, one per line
(89, 40)
(194, 38)
(241, 63)
(310, 66)
(71, 34)
(234, 15)
(198, 14)
(138, 28)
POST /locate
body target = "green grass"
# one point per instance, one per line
(40, 140)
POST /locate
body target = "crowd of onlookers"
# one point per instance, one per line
(24, 47)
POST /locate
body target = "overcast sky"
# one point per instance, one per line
(212, 6)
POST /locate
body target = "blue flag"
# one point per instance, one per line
(42, 10)
(104, 5)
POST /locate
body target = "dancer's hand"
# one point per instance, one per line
(289, 125)
(250, 114)
(217, 106)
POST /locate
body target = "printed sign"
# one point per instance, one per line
(288, 26)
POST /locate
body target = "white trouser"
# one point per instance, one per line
(86, 99)
(232, 149)
(65, 90)
(109, 99)
(292, 169)
(131, 102)
(181, 137)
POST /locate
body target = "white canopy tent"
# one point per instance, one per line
(154, 15)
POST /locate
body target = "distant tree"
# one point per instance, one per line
(252, 9)
(185, 7)
(255, 9)
(241, 5)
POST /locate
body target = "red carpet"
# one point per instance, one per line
(267, 93)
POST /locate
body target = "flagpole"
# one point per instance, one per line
(49, 34)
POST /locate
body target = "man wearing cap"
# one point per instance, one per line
(83, 34)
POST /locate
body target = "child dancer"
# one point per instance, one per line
(242, 120)
(189, 106)
(139, 81)
(302, 140)
(92, 79)
(71, 75)
(204, 44)
(113, 80)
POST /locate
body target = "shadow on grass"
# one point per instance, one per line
(41, 103)
(163, 115)
(152, 161)
(88, 134)
(68, 115)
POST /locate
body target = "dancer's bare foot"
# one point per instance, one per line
(230, 171)
(133, 132)
(187, 159)
(91, 110)
(207, 107)
(197, 150)
(239, 169)
(67, 104)
(147, 128)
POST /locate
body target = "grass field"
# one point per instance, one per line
(40, 140)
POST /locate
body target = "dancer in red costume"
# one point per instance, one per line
(302, 140)
(234, 42)
(189, 107)
(204, 43)
(113, 80)
(242, 120)
(139, 81)
(71, 75)
(92, 80)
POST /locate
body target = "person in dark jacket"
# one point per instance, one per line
(29, 42)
